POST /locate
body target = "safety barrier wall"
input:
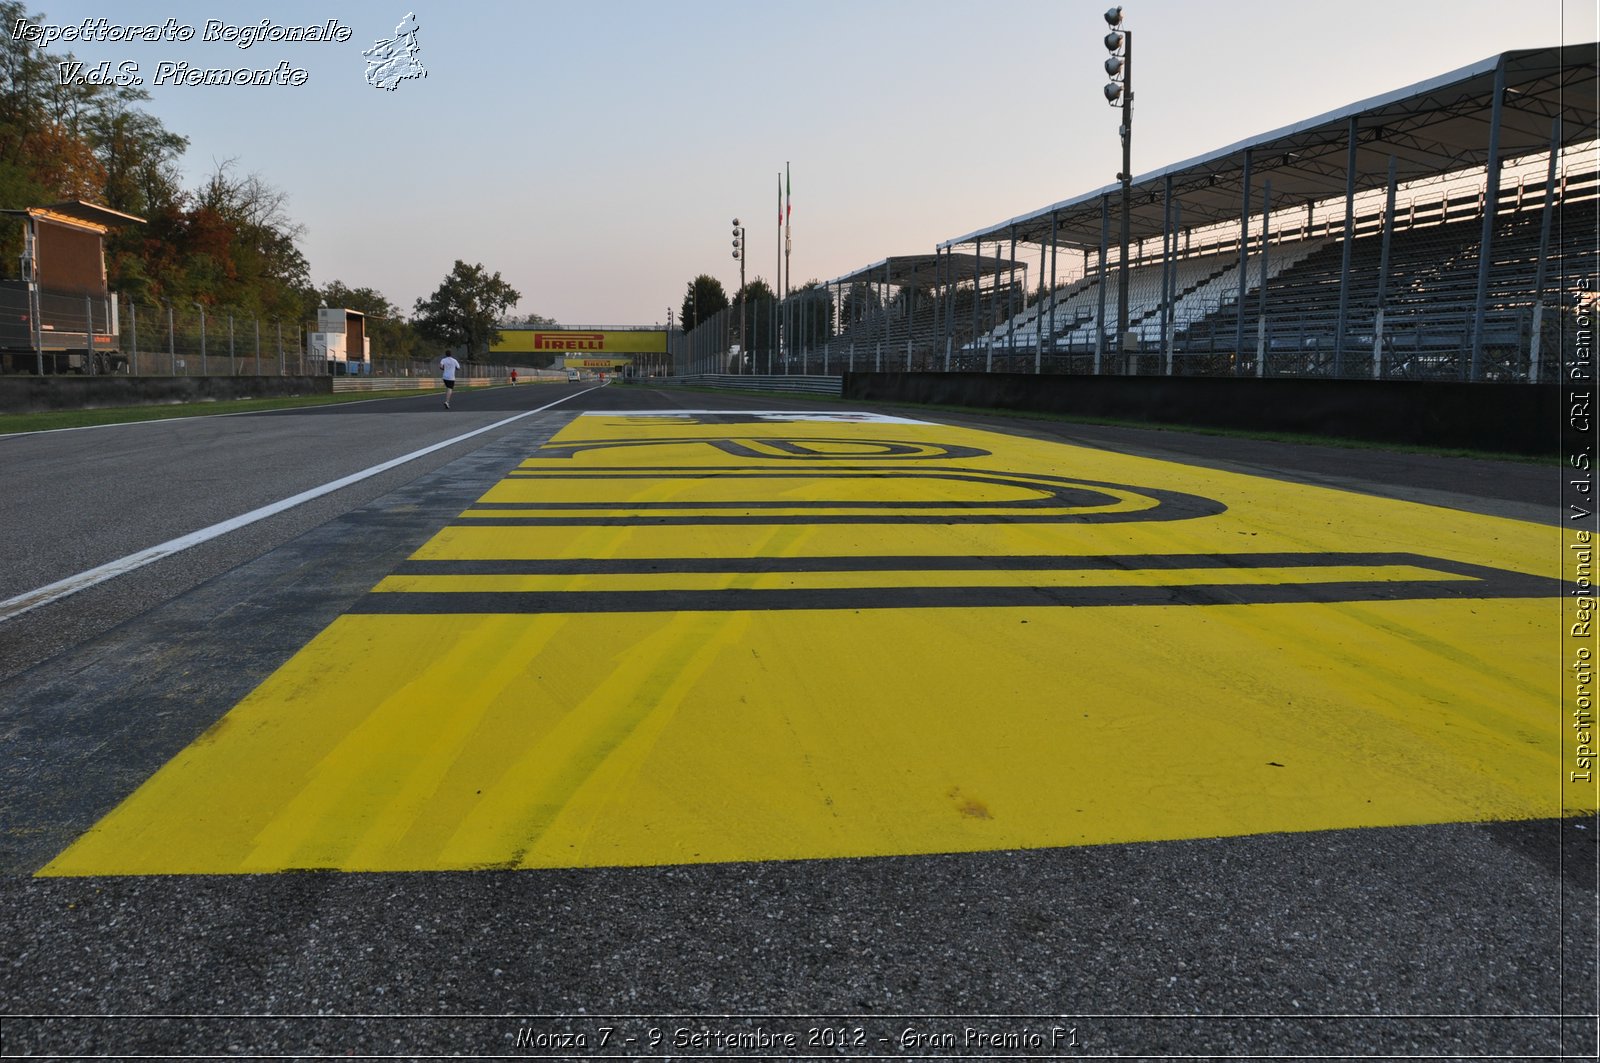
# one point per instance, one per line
(804, 385)
(1497, 418)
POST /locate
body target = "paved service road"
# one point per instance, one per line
(693, 723)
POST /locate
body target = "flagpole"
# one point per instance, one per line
(777, 280)
(788, 214)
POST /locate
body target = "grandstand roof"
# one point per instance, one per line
(1432, 128)
(925, 271)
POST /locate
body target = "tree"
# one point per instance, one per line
(240, 248)
(703, 299)
(463, 311)
(860, 301)
(810, 315)
(533, 321)
(758, 298)
(64, 140)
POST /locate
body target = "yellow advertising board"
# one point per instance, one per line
(590, 342)
(596, 363)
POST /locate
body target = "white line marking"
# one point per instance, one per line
(22, 603)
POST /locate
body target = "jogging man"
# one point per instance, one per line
(448, 366)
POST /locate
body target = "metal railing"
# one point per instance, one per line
(1410, 295)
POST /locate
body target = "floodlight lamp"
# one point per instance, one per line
(1114, 16)
(736, 223)
(1113, 41)
(1112, 91)
(1114, 66)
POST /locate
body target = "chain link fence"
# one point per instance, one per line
(53, 332)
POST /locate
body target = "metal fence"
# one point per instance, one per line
(54, 332)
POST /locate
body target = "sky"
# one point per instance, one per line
(594, 154)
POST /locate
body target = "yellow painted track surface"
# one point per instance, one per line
(670, 639)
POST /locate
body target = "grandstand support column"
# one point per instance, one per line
(1537, 328)
(994, 303)
(941, 275)
(1244, 259)
(1261, 304)
(977, 284)
(1349, 236)
(1169, 334)
(1011, 298)
(1100, 314)
(1053, 252)
(887, 282)
(1383, 276)
(1042, 331)
(1166, 264)
(947, 321)
(1491, 207)
(952, 290)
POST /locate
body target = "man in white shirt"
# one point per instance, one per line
(448, 366)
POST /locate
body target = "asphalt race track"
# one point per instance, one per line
(663, 724)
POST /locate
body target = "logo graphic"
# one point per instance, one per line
(575, 341)
(393, 61)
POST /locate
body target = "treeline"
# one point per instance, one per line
(230, 243)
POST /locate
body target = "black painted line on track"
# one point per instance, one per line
(935, 563)
(422, 603)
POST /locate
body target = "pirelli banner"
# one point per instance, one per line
(580, 362)
(575, 343)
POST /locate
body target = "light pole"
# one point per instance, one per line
(1119, 93)
(738, 253)
(205, 369)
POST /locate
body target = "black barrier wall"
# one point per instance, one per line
(1501, 418)
(34, 394)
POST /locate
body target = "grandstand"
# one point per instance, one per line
(1446, 230)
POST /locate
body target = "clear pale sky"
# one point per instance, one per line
(595, 153)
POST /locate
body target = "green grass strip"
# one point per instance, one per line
(57, 419)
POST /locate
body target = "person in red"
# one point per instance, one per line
(513, 376)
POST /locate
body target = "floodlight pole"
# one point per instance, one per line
(1127, 187)
(1119, 93)
(738, 253)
